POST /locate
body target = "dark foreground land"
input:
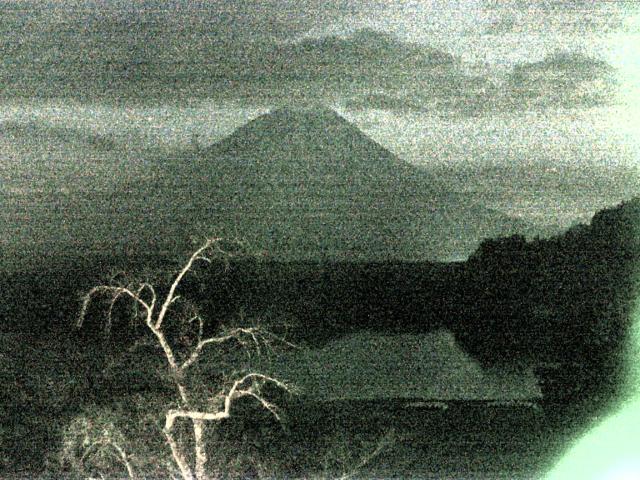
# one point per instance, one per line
(562, 302)
(315, 439)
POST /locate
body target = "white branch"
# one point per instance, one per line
(119, 453)
(197, 255)
(178, 457)
(234, 334)
(166, 348)
(145, 295)
(281, 340)
(174, 414)
(234, 393)
(149, 287)
(382, 444)
(117, 293)
(124, 459)
(267, 405)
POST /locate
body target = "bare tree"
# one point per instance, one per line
(95, 439)
(153, 310)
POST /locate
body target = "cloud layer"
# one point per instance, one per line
(228, 52)
(566, 79)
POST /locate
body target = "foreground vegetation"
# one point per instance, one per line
(84, 403)
(154, 393)
(99, 405)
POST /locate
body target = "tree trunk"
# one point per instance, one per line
(200, 449)
(181, 461)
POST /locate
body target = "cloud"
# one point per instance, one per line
(504, 24)
(344, 63)
(383, 101)
(453, 92)
(370, 69)
(331, 68)
(115, 57)
(370, 48)
(115, 54)
(562, 79)
(566, 16)
(121, 55)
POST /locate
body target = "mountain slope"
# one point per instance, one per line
(308, 184)
(296, 184)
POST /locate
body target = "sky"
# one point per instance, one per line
(249, 41)
(528, 106)
(449, 58)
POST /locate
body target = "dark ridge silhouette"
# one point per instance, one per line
(564, 302)
(561, 304)
(513, 299)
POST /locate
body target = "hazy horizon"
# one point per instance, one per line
(525, 108)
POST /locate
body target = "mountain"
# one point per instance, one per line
(308, 184)
(296, 184)
(304, 183)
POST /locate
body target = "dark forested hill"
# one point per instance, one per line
(565, 300)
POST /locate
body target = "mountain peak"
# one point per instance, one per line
(308, 128)
(305, 115)
(311, 109)
(307, 183)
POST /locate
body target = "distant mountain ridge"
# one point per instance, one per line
(295, 184)
(306, 183)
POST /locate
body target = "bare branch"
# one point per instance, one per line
(174, 414)
(145, 296)
(234, 393)
(117, 292)
(125, 460)
(254, 333)
(112, 303)
(267, 405)
(280, 339)
(119, 453)
(149, 287)
(197, 255)
(383, 443)
(166, 348)
(231, 335)
(254, 376)
(178, 457)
